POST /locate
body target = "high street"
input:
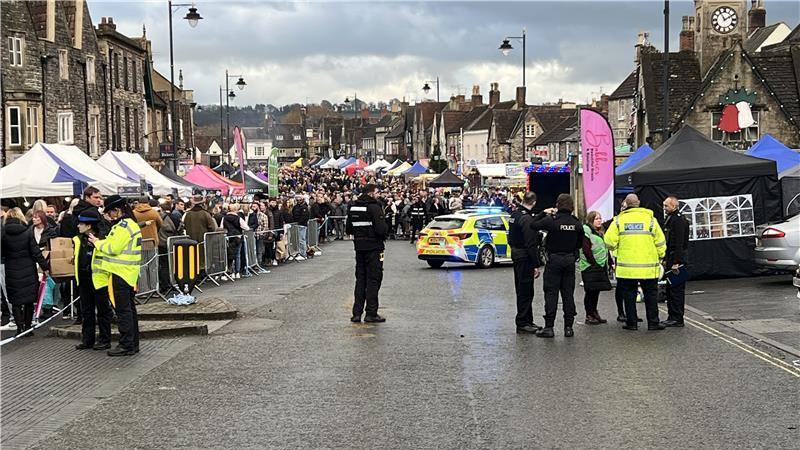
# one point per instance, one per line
(445, 371)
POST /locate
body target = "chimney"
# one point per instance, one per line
(107, 24)
(477, 98)
(687, 34)
(757, 17)
(642, 41)
(461, 99)
(384, 111)
(520, 96)
(494, 94)
(365, 113)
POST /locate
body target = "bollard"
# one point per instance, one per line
(186, 267)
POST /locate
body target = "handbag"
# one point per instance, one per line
(595, 278)
(51, 294)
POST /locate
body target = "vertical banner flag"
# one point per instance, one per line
(237, 141)
(272, 173)
(597, 148)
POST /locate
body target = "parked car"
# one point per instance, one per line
(778, 245)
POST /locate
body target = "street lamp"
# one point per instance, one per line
(426, 88)
(239, 84)
(505, 48)
(193, 17)
(355, 105)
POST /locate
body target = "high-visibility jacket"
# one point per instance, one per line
(639, 244)
(120, 253)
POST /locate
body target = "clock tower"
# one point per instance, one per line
(718, 24)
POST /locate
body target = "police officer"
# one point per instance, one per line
(639, 243)
(115, 266)
(418, 213)
(366, 223)
(524, 242)
(90, 297)
(564, 241)
(676, 231)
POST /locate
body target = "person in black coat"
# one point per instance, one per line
(300, 213)
(20, 256)
(676, 231)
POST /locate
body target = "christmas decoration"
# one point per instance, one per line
(736, 114)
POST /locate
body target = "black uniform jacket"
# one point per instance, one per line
(564, 231)
(365, 221)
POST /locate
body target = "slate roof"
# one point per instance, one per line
(369, 131)
(564, 131)
(385, 121)
(483, 122)
(288, 131)
(471, 116)
(452, 121)
(628, 87)
(508, 104)
(759, 36)
(781, 74)
(792, 39)
(504, 123)
(398, 131)
(549, 116)
(685, 82)
(255, 133)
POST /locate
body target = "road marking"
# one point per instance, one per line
(783, 365)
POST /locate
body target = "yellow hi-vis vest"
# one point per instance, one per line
(639, 244)
(120, 253)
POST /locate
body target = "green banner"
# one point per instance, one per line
(272, 173)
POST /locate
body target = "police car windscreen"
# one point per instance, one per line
(444, 223)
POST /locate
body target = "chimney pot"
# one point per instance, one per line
(520, 96)
(494, 94)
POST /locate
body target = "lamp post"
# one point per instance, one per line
(505, 48)
(239, 84)
(426, 88)
(193, 18)
(355, 114)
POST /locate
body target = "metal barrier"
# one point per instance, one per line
(147, 284)
(251, 253)
(293, 241)
(215, 247)
(312, 235)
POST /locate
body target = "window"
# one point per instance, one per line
(125, 72)
(32, 125)
(180, 130)
(296, 137)
(116, 70)
(530, 131)
(135, 81)
(94, 133)
(14, 126)
(279, 137)
(118, 127)
(746, 135)
(15, 51)
(259, 150)
(63, 64)
(65, 128)
(136, 136)
(127, 128)
(90, 73)
(719, 217)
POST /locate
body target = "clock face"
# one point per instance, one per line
(724, 19)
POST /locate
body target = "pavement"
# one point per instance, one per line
(445, 371)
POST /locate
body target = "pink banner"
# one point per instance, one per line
(240, 153)
(597, 147)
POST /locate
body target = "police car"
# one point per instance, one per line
(478, 236)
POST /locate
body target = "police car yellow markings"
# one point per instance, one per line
(455, 237)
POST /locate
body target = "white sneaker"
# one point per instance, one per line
(301, 258)
(274, 263)
(317, 252)
(9, 326)
(238, 276)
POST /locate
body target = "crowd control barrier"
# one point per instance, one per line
(147, 285)
(293, 241)
(312, 235)
(215, 247)
(251, 253)
(187, 264)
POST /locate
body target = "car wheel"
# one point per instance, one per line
(435, 264)
(485, 257)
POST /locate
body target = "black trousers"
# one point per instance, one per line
(415, 229)
(676, 299)
(523, 284)
(125, 307)
(94, 299)
(620, 299)
(23, 316)
(559, 278)
(369, 274)
(629, 288)
(590, 299)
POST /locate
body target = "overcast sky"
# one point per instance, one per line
(306, 52)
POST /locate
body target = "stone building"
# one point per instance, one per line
(125, 58)
(728, 58)
(53, 88)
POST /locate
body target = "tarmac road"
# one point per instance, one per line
(445, 371)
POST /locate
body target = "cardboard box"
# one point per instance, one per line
(62, 267)
(62, 244)
(62, 253)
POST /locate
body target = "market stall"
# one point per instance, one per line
(724, 195)
(446, 179)
(355, 167)
(208, 179)
(49, 170)
(134, 167)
